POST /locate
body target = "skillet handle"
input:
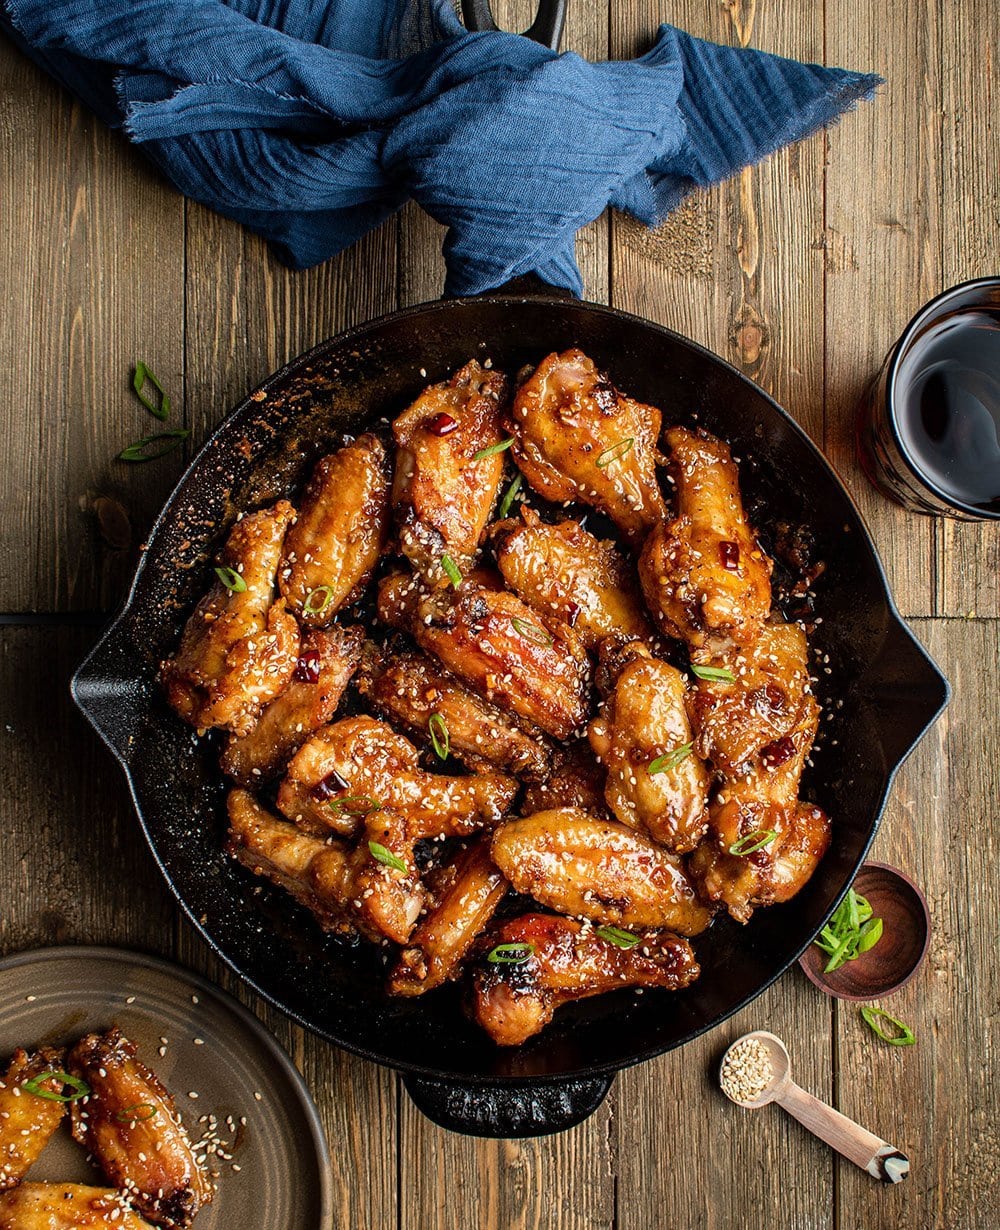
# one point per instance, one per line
(508, 1111)
(546, 29)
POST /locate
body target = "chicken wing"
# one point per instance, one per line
(440, 943)
(67, 1206)
(239, 649)
(554, 960)
(656, 781)
(342, 526)
(704, 574)
(359, 765)
(27, 1121)
(597, 869)
(444, 490)
(576, 780)
(411, 689)
(578, 438)
(129, 1123)
(566, 573)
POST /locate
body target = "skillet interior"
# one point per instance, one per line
(888, 687)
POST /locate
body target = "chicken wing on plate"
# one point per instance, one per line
(576, 780)
(597, 869)
(129, 1123)
(340, 531)
(704, 574)
(578, 438)
(564, 572)
(239, 648)
(27, 1121)
(67, 1206)
(542, 961)
(444, 489)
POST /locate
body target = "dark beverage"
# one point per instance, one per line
(929, 432)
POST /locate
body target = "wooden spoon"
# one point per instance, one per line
(863, 1148)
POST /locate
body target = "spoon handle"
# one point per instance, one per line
(863, 1148)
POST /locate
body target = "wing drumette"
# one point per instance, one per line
(67, 1206)
(27, 1121)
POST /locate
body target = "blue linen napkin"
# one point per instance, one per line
(311, 121)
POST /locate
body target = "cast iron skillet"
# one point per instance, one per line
(887, 688)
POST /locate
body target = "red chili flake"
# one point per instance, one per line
(307, 668)
(572, 613)
(442, 424)
(776, 753)
(332, 784)
(729, 555)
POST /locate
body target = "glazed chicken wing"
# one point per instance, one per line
(704, 574)
(442, 492)
(656, 781)
(129, 1123)
(576, 780)
(340, 531)
(327, 660)
(239, 648)
(410, 689)
(554, 960)
(67, 1206)
(578, 438)
(597, 869)
(359, 765)
(27, 1121)
(566, 573)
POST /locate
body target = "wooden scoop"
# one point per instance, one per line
(863, 1148)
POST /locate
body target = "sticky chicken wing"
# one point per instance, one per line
(67, 1206)
(597, 869)
(239, 648)
(340, 532)
(411, 689)
(578, 438)
(327, 661)
(656, 781)
(576, 780)
(359, 765)
(129, 1123)
(553, 960)
(704, 574)
(564, 572)
(443, 491)
(26, 1120)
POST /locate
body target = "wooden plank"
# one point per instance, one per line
(969, 555)
(883, 246)
(939, 1100)
(91, 271)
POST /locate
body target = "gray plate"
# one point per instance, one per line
(54, 995)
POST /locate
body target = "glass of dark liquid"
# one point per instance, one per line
(928, 430)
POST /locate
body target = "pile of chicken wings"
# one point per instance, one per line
(551, 755)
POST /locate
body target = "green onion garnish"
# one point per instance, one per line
(510, 954)
(531, 632)
(509, 495)
(382, 855)
(355, 804)
(139, 1112)
(451, 570)
(138, 451)
(161, 408)
(614, 452)
(493, 449)
(872, 1016)
(80, 1088)
(439, 736)
(318, 600)
(669, 760)
(714, 672)
(232, 580)
(618, 937)
(851, 931)
(756, 840)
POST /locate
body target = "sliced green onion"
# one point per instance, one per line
(493, 449)
(531, 632)
(160, 409)
(714, 672)
(139, 1112)
(510, 954)
(872, 1016)
(80, 1088)
(618, 937)
(851, 931)
(754, 841)
(840, 954)
(669, 760)
(869, 935)
(232, 580)
(439, 736)
(137, 451)
(355, 804)
(509, 495)
(614, 452)
(451, 570)
(318, 600)
(382, 855)
(853, 921)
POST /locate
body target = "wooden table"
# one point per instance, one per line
(802, 272)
